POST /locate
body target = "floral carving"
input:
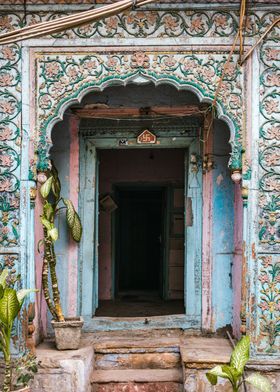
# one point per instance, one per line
(140, 60)
(269, 304)
(62, 77)
(269, 232)
(10, 108)
(156, 23)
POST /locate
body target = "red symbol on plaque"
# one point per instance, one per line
(146, 137)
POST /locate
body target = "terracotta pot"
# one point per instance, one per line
(68, 333)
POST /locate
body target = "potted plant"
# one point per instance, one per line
(234, 372)
(11, 302)
(67, 330)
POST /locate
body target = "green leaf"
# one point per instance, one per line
(260, 382)
(241, 354)
(46, 187)
(48, 211)
(9, 307)
(77, 229)
(214, 373)
(70, 212)
(53, 233)
(262, 232)
(21, 294)
(232, 373)
(3, 277)
(40, 243)
(1, 291)
(56, 187)
(46, 223)
(54, 170)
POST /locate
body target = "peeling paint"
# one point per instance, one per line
(219, 179)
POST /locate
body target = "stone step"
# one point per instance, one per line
(136, 376)
(142, 360)
(139, 387)
(137, 347)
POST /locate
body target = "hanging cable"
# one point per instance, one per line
(270, 27)
(70, 21)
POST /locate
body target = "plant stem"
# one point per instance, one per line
(7, 384)
(56, 294)
(45, 273)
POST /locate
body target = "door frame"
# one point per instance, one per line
(88, 267)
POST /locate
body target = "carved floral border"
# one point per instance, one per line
(151, 24)
(63, 79)
(10, 140)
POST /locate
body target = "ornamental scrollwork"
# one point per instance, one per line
(269, 195)
(269, 302)
(63, 78)
(153, 24)
(10, 108)
(269, 146)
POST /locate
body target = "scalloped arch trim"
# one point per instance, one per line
(64, 79)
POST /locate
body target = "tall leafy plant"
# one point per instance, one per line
(234, 372)
(50, 192)
(11, 302)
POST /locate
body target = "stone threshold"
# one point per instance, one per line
(74, 370)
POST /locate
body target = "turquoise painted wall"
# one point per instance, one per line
(223, 229)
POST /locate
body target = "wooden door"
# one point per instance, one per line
(89, 243)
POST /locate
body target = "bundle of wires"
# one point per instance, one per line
(68, 22)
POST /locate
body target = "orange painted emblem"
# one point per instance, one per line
(146, 137)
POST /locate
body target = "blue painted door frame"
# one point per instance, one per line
(88, 260)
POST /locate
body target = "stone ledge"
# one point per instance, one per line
(63, 371)
(137, 375)
(205, 352)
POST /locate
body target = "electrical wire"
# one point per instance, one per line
(70, 21)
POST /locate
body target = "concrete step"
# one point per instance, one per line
(139, 387)
(137, 376)
(137, 359)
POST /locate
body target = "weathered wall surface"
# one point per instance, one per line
(223, 229)
(26, 120)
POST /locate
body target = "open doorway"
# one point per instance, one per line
(144, 236)
(139, 242)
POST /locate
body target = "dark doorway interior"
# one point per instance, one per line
(139, 233)
(141, 243)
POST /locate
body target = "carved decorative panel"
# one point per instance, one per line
(10, 139)
(65, 78)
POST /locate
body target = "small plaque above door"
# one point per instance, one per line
(146, 137)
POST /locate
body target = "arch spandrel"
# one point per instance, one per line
(63, 79)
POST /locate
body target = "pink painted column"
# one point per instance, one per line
(74, 197)
(207, 235)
